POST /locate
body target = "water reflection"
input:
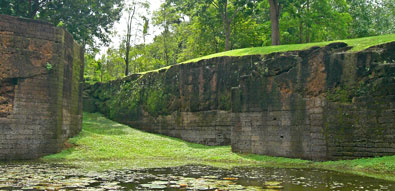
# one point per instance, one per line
(191, 177)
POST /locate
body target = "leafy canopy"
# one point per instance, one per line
(87, 20)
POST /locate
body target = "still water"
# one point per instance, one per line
(191, 177)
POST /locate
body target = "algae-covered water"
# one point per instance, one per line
(190, 177)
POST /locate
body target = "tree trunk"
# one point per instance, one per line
(165, 51)
(135, 66)
(165, 34)
(274, 18)
(227, 35)
(226, 23)
(307, 34)
(301, 32)
(30, 9)
(101, 71)
(127, 62)
(128, 38)
(307, 24)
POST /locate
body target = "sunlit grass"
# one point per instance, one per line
(357, 44)
(102, 140)
(383, 164)
(104, 144)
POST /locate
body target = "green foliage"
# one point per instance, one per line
(48, 66)
(371, 17)
(60, 24)
(109, 67)
(85, 20)
(191, 29)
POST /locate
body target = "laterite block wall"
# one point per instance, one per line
(319, 104)
(41, 75)
(322, 103)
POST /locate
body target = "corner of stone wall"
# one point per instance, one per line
(44, 102)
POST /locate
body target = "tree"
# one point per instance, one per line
(303, 21)
(145, 27)
(108, 67)
(227, 10)
(371, 17)
(224, 9)
(134, 6)
(85, 20)
(128, 37)
(275, 8)
(167, 18)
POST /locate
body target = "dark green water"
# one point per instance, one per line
(191, 177)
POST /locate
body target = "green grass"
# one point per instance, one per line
(104, 144)
(357, 44)
(104, 140)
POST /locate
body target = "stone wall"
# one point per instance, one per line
(41, 74)
(282, 104)
(327, 104)
(188, 101)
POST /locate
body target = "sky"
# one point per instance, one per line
(120, 27)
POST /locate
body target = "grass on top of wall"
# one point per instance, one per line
(104, 144)
(358, 44)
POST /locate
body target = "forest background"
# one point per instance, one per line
(176, 31)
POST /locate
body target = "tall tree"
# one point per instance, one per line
(224, 9)
(139, 7)
(129, 23)
(228, 10)
(167, 18)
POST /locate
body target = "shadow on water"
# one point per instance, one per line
(189, 177)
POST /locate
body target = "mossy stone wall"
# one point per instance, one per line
(188, 101)
(41, 75)
(282, 104)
